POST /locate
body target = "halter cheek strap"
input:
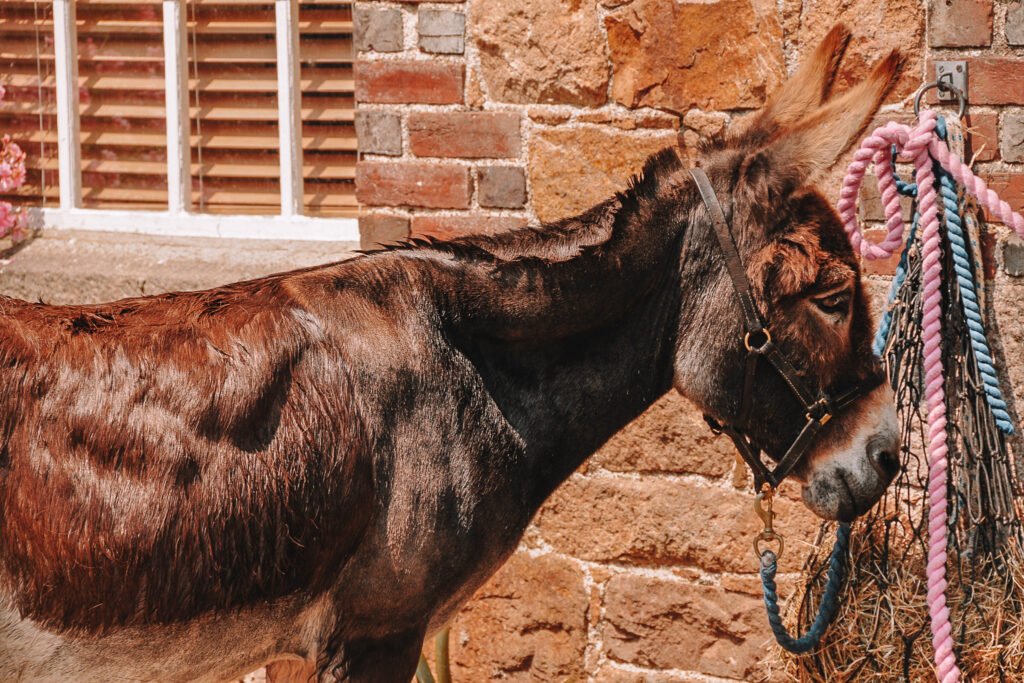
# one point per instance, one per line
(819, 406)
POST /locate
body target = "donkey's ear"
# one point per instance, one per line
(816, 142)
(806, 89)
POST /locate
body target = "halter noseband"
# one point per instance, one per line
(819, 406)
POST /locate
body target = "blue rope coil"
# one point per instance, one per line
(907, 190)
(829, 599)
(969, 295)
(882, 335)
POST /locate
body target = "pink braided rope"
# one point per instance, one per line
(919, 145)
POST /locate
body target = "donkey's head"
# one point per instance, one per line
(805, 284)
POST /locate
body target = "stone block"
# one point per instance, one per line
(540, 52)
(379, 132)
(878, 27)
(659, 59)
(1015, 23)
(501, 187)
(377, 29)
(670, 437)
(528, 623)
(984, 136)
(1013, 256)
(377, 230)
(450, 227)
(1011, 138)
(656, 623)
(995, 80)
(571, 170)
(442, 31)
(656, 521)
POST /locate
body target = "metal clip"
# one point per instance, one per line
(763, 508)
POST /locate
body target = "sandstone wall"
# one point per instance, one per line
(486, 114)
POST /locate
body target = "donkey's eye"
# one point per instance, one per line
(836, 303)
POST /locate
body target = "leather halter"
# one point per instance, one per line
(819, 406)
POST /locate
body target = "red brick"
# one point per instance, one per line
(427, 185)
(409, 82)
(450, 227)
(472, 135)
(1010, 188)
(885, 266)
(983, 136)
(995, 80)
(960, 23)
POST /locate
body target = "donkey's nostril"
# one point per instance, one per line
(885, 461)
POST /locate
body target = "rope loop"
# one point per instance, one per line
(829, 600)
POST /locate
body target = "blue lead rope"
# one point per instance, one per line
(829, 599)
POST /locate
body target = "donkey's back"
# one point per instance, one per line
(168, 457)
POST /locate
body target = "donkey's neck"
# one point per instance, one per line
(573, 328)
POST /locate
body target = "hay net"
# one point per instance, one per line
(881, 632)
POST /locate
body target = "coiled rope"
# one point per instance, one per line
(920, 145)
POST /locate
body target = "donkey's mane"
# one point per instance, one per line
(557, 241)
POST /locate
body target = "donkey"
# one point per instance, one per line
(325, 464)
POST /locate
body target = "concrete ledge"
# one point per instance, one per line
(67, 266)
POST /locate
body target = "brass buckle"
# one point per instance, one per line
(767, 340)
(826, 416)
(763, 508)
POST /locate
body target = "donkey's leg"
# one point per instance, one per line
(391, 659)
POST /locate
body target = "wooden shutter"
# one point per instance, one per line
(232, 93)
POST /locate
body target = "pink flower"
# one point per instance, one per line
(12, 222)
(8, 217)
(12, 165)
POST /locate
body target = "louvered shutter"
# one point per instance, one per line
(232, 93)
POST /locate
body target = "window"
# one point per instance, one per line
(231, 92)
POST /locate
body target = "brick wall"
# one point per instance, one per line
(490, 114)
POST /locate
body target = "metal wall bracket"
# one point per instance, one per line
(952, 73)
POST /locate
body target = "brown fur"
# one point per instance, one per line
(135, 397)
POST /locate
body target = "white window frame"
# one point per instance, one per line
(178, 220)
